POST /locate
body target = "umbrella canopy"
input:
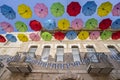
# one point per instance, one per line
(104, 9)
(35, 25)
(83, 35)
(50, 24)
(34, 37)
(21, 26)
(8, 12)
(116, 10)
(106, 35)
(22, 37)
(7, 27)
(11, 37)
(91, 23)
(105, 24)
(77, 24)
(24, 11)
(41, 10)
(57, 9)
(2, 38)
(59, 35)
(63, 24)
(89, 8)
(73, 9)
(116, 24)
(46, 36)
(116, 35)
(71, 35)
(94, 35)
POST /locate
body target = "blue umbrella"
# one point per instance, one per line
(71, 35)
(116, 24)
(8, 12)
(89, 8)
(11, 38)
(49, 24)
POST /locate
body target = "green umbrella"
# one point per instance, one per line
(106, 35)
(46, 36)
(21, 26)
(57, 9)
(91, 23)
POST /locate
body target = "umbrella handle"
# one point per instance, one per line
(6, 42)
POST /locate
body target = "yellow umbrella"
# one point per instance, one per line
(24, 11)
(83, 35)
(22, 37)
(104, 9)
(63, 24)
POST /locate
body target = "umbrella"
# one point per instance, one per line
(116, 35)
(116, 10)
(89, 8)
(21, 26)
(116, 24)
(22, 37)
(8, 12)
(91, 23)
(41, 10)
(11, 38)
(59, 35)
(104, 9)
(71, 35)
(73, 9)
(106, 35)
(63, 24)
(2, 38)
(46, 36)
(105, 24)
(57, 9)
(77, 24)
(24, 11)
(6, 26)
(34, 37)
(94, 35)
(49, 24)
(35, 25)
(83, 35)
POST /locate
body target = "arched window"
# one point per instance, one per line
(60, 53)
(32, 50)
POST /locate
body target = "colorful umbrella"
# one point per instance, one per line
(106, 35)
(24, 11)
(50, 24)
(46, 36)
(41, 10)
(105, 24)
(8, 12)
(22, 37)
(116, 24)
(6, 27)
(77, 24)
(116, 35)
(2, 38)
(21, 26)
(73, 9)
(71, 35)
(104, 9)
(91, 23)
(63, 24)
(94, 35)
(34, 37)
(89, 8)
(11, 38)
(57, 9)
(116, 10)
(59, 35)
(83, 35)
(35, 25)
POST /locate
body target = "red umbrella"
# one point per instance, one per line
(2, 38)
(73, 9)
(59, 35)
(105, 24)
(35, 25)
(116, 35)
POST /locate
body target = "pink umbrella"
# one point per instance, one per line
(34, 37)
(94, 35)
(116, 10)
(6, 27)
(77, 24)
(41, 10)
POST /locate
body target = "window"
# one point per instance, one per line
(60, 53)
(32, 51)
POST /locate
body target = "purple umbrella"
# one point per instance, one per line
(116, 10)
(94, 35)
